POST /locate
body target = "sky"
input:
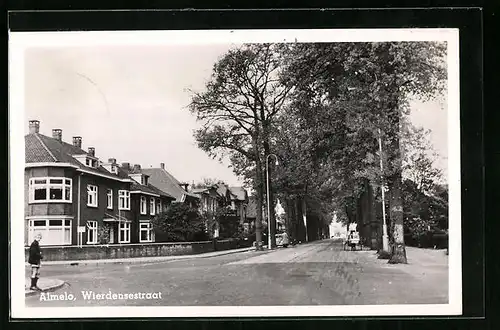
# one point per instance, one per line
(129, 102)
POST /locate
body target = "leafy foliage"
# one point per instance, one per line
(180, 223)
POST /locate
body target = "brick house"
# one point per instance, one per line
(67, 188)
(73, 198)
(147, 201)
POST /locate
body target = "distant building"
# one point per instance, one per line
(162, 179)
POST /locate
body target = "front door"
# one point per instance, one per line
(112, 234)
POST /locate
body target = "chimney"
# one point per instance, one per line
(112, 161)
(57, 134)
(137, 168)
(162, 166)
(126, 166)
(34, 126)
(92, 151)
(77, 141)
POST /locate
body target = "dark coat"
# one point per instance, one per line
(35, 254)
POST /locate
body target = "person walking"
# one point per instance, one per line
(35, 256)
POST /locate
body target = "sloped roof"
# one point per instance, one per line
(35, 151)
(149, 189)
(159, 191)
(239, 193)
(41, 148)
(199, 190)
(165, 181)
(222, 189)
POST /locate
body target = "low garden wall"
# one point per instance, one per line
(117, 251)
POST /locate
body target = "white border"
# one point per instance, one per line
(19, 41)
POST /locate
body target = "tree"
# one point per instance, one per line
(237, 109)
(366, 88)
(180, 223)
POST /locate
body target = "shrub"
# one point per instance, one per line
(180, 223)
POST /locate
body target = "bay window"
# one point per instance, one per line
(123, 200)
(53, 231)
(124, 235)
(50, 189)
(91, 195)
(146, 233)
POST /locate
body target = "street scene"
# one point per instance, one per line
(319, 273)
(237, 174)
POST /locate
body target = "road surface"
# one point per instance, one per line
(319, 273)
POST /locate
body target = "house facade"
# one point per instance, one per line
(147, 201)
(73, 198)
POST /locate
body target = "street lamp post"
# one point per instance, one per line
(269, 201)
(385, 238)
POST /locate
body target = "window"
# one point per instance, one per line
(143, 205)
(158, 206)
(152, 206)
(123, 200)
(91, 195)
(146, 233)
(124, 236)
(54, 232)
(50, 190)
(91, 232)
(110, 199)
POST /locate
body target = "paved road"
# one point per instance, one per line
(320, 273)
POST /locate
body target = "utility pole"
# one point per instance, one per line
(385, 238)
(269, 231)
(304, 216)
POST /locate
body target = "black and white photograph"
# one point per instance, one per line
(235, 173)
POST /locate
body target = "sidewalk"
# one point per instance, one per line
(46, 284)
(146, 259)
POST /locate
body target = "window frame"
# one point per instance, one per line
(148, 229)
(152, 206)
(126, 230)
(143, 205)
(90, 193)
(66, 225)
(109, 195)
(93, 229)
(158, 206)
(48, 186)
(124, 195)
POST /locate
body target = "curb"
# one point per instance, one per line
(149, 260)
(51, 288)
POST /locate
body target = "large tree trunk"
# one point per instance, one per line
(398, 251)
(296, 219)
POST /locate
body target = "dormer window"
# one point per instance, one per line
(112, 168)
(140, 178)
(87, 160)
